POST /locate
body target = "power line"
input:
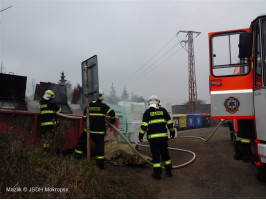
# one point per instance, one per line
(143, 72)
(141, 68)
(161, 62)
(5, 8)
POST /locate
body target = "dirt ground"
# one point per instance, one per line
(213, 174)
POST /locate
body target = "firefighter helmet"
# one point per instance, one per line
(101, 94)
(49, 94)
(154, 101)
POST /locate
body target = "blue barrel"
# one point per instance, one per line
(198, 120)
(190, 121)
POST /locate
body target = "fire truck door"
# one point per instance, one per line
(260, 79)
(231, 80)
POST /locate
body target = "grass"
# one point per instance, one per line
(25, 165)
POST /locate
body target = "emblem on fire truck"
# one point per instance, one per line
(231, 105)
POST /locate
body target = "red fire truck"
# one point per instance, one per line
(238, 88)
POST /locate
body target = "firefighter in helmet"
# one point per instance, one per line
(154, 122)
(97, 112)
(48, 117)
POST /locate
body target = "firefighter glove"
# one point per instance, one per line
(172, 134)
(112, 120)
(140, 137)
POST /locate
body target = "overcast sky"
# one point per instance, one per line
(135, 41)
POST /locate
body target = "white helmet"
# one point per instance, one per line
(101, 94)
(49, 94)
(154, 101)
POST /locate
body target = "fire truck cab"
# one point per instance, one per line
(238, 85)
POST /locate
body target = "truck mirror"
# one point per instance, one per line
(245, 45)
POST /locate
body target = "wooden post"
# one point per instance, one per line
(87, 113)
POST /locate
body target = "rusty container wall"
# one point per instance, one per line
(19, 122)
(71, 130)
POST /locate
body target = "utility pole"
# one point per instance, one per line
(192, 86)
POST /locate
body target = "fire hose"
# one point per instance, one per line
(205, 140)
(139, 154)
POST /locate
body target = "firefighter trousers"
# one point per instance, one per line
(98, 140)
(159, 149)
(243, 138)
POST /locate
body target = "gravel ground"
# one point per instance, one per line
(213, 174)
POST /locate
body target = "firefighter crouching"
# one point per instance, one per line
(48, 118)
(97, 112)
(155, 120)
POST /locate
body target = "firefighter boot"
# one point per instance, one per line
(100, 163)
(247, 155)
(46, 147)
(238, 155)
(157, 173)
(78, 154)
(168, 170)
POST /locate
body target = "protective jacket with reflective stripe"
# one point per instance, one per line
(155, 122)
(97, 112)
(48, 112)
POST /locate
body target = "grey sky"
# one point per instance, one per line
(40, 39)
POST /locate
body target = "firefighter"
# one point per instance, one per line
(97, 112)
(242, 142)
(48, 118)
(154, 122)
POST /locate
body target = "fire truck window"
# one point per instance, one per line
(225, 60)
(258, 57)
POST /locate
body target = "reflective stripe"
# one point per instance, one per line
(97, 114)
(99, 157)
(169, 121)
(97, 132)
(44, 106)
(94, 132)
(101, 98)
(84, 116)
(47, 111)
(59, 110)
(141, 131)
(156, 165)
(78, 151)
(157, 121)
(144, 124)
(46, 145)
(48, 123)
(172, 129)
(156, 135)
(168, 162)
(243, 140)
(232, 91)
(109, 110)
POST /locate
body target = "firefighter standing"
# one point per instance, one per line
(48, 118)
(155, 120)
(243, 138)
(97, 112)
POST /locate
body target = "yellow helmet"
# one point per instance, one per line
(49, 94)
